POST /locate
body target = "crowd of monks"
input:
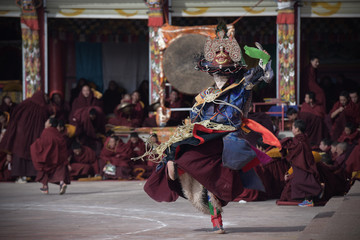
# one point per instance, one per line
(44, 139)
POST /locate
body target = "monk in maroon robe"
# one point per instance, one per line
(342, 112)
(58, 108)
(353, 162)
(26, 124)
(118, 154)
(175, 101)
(84, 161)
(139, 107)
(141, 170)
(125, 115)
(313, 114)
(309, 83)
(350, 134)
(354, 97)
(305, 182)
(90, 125)
(50, 157)
(7, 105)
(85, 99)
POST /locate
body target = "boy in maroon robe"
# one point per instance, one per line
(309, 82)
(118, 154)
(354, 96)
(90, 125)
(58, 107)
(84, 161)
(342, 112)
(50, 157)
(175, 101)
(305, 182)
(140, 168)
(350, 134)
(26, 124)
(86, 98)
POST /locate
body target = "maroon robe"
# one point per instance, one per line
(353, 161)
(50, 157)
(141, 169)
(120, 157)
(309, 83)
(132, 119)
(139, 111)
(176, 117)
(338, 123)
(198, 161)
(305, 180)
(84, 164)
(313, 116)
(352, 138)
(60, 112)
(86, 129)
(83, 102)
(5, 108)
(25, 126)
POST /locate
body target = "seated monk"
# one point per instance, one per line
(342, 112)
(85, 99)
(50, 157)
(116, 153)
(139, 106)
(313, 115)
(89, 123)
(58, 107)
(84, 161)
(140, 168)
(174, 101)
(353, 163)
(125, 116)
(350, 134)
(150, 121)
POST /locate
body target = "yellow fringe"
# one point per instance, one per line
(155, 153)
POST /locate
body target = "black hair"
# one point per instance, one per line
(54, 122)
(354, 91)
(134, 134)
(327, 141)
(326, 158)
(351, 126)
(2, 113)
(300, 124)
(260, 143)
(109, 133)
(75, 145)
(334, 143)
(116, 138)
(312, 95)
(344, 94)
(93, 111)
(61, 123)
(312, 57)
(291, 111)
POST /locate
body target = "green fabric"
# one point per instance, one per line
(257, 53)
(211, 208)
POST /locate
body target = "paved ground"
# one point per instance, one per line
(121, 210)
